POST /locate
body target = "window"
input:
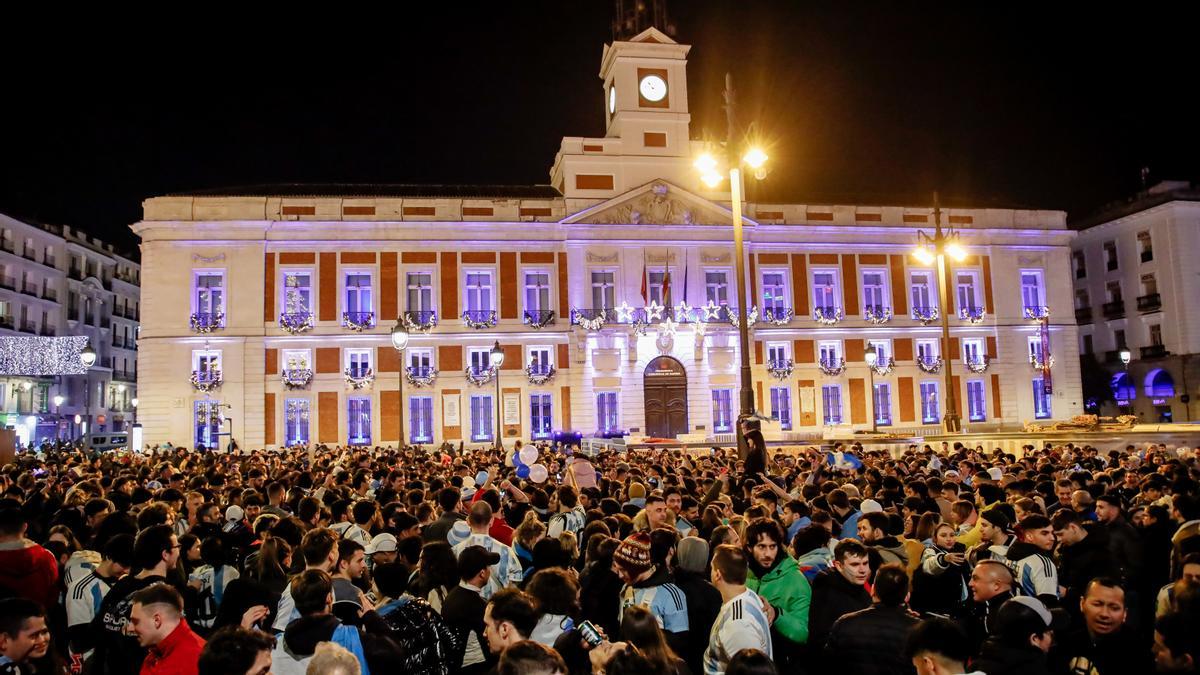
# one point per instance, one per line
(539, 414)
(1087, 345)
(1041, 399)
(831, 404)
(922, 290)
(781, 407)
(930, 409)
(538, 359)
(297, 293)
(722, 401)
(358, 294)
(420, 410)
(1036, 354)
(607, 418)
(1149, 285)
(825, 291)
(358, 362)
(208, 423)
(206, 363)
(972, 350)
(209, 295)
(420, 291)
(777, 353)
(1156, 335)
(882, 349)
(829, 352)
(1080, 262)
(1119, 338)
(1082, 301)
(481, 417)
(655, 282)
(976, 402)
(295, 420)
(604, 292)
(296, 359)
(874, 290)
(716, 287)
(883, 404)
(479, 291)
(1110, 255)
(537, 291)
(358, 420)
(420, 360)
(1114, 291)
(774, 290)
(965, 282)
(1146, 246)
(1031, 290)
(480, 358)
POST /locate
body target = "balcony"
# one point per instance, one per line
(1114, 309)
(1113, 265)
(479, 318)
(478, 375)
(538, 319)
(75, 273)
(6, 322)
(28, 327)
(1147, 255)
(780, 369)
(48, 331)
(540, 373)
(419, 321)
(296, 322)
(296, 378)
(1083, 315)
(9, 246)
(118, 342)
(592, 319)
(1154, 352)
(50, 262)
(828, 315)
(131, 376)
(1149, 303)
(971, 314)
(8, 282)
(877, 314)
(29, 254)
(358, 321)
(420, 376)
(925, 314)
(1037, 312)
(776, 316)
(205, 379)
(50, 294)
(30, 289)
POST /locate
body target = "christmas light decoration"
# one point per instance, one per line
(828, 316)
(36, 356)
(930, 366)
(832, 366)
(420, 377)
(539, 375)
(926, 315)
(479, 376)
(877, 314)
(357, 379)
(781, 369)
(479, 319)
(778, 317)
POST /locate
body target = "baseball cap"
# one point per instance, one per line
(1010, 620)
(871, 506)
(474, 559)
(995, 473)
(381, 543)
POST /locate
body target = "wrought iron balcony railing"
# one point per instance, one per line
(877, 314)
(1154, 352)
(925, 314)
(831, 366)
(972, 314)
(479, 318)
(1114, 309)
(538, 319)
(828, 315)
(1037, 312)
(781, 369)
(1149, 303)
(296, 322)
(358, 321)
(207, 322)
(419, 321)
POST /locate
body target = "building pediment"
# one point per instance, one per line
(656, 203)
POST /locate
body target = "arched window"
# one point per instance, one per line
(1159, 384)
(1122, 387)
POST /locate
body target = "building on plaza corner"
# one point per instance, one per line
(277, 301)
(1133, 277)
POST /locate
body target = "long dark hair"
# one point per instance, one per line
(640, 628)
(270, 562)
(438, 568)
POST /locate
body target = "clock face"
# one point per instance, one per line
(653, 88)
(612, 99)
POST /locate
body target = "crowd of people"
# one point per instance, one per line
(431, 561)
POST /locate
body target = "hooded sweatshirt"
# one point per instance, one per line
(1035, 572)
(29, 571)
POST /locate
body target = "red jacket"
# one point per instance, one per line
(29, 571)
(177, 654)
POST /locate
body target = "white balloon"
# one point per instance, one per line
(529, 455)
(538, 473)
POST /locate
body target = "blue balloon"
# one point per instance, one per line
(516, 460)
(523, 471)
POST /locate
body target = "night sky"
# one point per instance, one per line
(995, 105)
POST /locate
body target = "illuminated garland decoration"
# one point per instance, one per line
(712, 311)
(360, 381)
(877, 315)
(539, 320)
(471, 319)
(832, 367)
(296, 322)
(539, 378)
(206, 380)
(930, 366)
(750, 320)
(297, 378)
(1037, 313)
(425, 379)
(654, 311)
(204, 324)
(424, 322)
(977, 365)
(884, 367)
(479, 377)
(591, 325)
(36, 356)
(1040, 365)
(926, 315)
(972, 314)
(358, 321)
(781, 370)
(828, 316)
(778, 317)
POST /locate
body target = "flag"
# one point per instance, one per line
(666, 291)
(843, 460)
(685, 277)
(645, 281)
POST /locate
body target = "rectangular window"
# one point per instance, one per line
(480, 358)
(209, 294)
(655, 280)
(830, 352)
(722, 400)
(1146, 246)
(1031, 289)
(874, 290)
(825, 290)
(965, 282)
(930, 406)
(607, 418)
(777, 353)
(1149, 285)
(781, 407)
(882, 349)
(774, 290)
(358, 293)
(1082, 301)
(537, 291)
(1080, 261)
(972, 350)
(297, 359)
(420, 291)
(358, 420)
(1087, 345)
(1114, 291)
(831, 404)
(716, 287)
(420, 360)
(208, 423)
(1110, 255)
(540, 414)
(420, 410)
(923, 297)
(205, 361)
(479, 291)
(297, 293)
(1156, 334)
(1119, 338)
(295, 421)
(538, 359)
(1041, 399)
(1035, 349)
(976, 402)
(481, 417)
(358, 362)
(883, 404)
(604, 290)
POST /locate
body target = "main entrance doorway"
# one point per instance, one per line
(665, 394)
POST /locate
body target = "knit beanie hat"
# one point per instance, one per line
(997, 518)
(692, 554)
(633, 555)
(637, 491)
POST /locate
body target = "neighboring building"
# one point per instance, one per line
(273, 304)
(58, 281)
(1135, 273)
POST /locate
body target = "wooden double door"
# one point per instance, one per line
(665, 395)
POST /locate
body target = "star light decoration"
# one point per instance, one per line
(712, 311)
(668, 326)
(624, 313)
(683, 310)
(654, 311)
(34, 356)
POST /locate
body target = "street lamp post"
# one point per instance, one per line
(400, 342)
(497, 358)
(87, 357)
(872, 358)
(936, 248)
(708, 166)
(1126, 356)
(58, 401)
(134, 402)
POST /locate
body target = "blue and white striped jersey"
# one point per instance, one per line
(666, 602)
(212, 588)
(507, 572)
(741, 624)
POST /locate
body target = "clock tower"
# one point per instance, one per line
(646, 122)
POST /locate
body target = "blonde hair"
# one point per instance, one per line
(569, 543)
(333, 659)
(530, 530)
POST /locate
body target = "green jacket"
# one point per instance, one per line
(789, 593)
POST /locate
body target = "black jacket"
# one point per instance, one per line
(600, 597)
(463, 610)
(430, 645)
(999, 659)
(1120, 652)
(975, 618)
(1125, 546)
(1084, 561)
(703, 603)
(871, 641)
(832, 597)
(940, 593)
